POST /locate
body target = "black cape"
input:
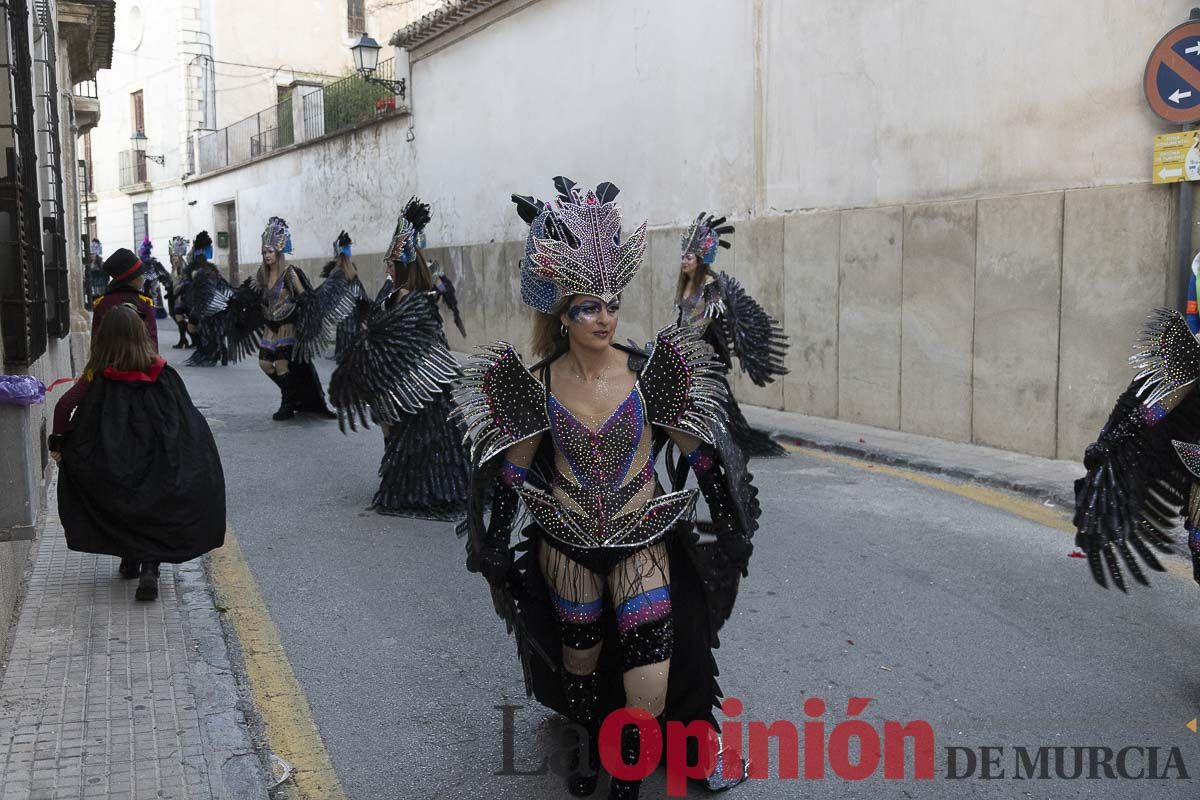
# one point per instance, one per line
(140, 475)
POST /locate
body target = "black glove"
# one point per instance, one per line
(493, 561)
(734, 542)
(1095, 455)
(494, 558)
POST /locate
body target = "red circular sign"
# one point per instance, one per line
(1172, 79)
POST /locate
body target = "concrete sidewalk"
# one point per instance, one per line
(105, 697)
(1044, 479)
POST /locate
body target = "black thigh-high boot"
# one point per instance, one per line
(287, 408)
(183, 337)
(631, 745)
(582, 694)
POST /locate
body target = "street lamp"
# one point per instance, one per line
(138, 142)
(366, 59)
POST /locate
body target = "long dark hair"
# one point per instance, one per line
(701, 274)
(414, 276)
(121, 343)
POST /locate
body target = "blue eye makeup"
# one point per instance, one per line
(589, 310)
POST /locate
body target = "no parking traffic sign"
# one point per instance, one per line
(1172, 79)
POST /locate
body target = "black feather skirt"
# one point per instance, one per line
(424, 468)
(212, 345)
(753, 443)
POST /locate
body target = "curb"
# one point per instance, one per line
(1055, 494)
(215, 685)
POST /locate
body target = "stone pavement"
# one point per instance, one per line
(106, 697)
(1044, 479)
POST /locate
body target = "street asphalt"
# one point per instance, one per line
(863, 584)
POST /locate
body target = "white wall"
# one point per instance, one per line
(358, 182)
(759, 106)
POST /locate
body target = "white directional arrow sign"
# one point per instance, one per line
(1177, 95)
(1165, 173)
(1194, 49)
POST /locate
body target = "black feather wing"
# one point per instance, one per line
(321, 311)
(243, 320)
(395, 365)
(755, 337)
(1136, 484)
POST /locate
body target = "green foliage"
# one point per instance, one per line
(351, 101)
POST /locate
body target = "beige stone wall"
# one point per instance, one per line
(1004, 321)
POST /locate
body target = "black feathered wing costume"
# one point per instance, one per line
(233, 322)
(140, 475)
(735, 325)
(502, 403)
(1142, 469)
(398, 371)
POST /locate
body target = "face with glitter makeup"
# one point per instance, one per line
(590, 322)
(688, 263)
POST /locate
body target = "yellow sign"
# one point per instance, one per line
(1177, 157)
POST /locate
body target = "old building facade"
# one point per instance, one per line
(51, 54)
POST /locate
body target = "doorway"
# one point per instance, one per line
(227, 225)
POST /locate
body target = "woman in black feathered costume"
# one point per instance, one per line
(730, 320)
(397, 367)
(277, 315)
(614, 599)
(342, 268)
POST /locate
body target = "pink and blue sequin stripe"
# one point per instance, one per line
(1152, 414)
(646, 607)
(512, 475)
(577, 613)
(275, 344)
(701, 460)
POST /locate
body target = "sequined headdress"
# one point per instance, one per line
(574, 246)
(409, 235)
(277, 236)
(341, 245)
(703, 237)
(146, 248)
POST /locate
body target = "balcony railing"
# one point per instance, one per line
(86, 89)
(132, 168)
(324, 110)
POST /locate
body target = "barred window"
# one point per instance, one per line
(356, 17)
(23, 289)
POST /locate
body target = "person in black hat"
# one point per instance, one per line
(130, 486)
(124, 271)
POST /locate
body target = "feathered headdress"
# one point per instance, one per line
(409, 236)
(574, 246)
(703, 237)
(202, 244)
(277, 236)
(146, 248)
(178, 246)
(341, 245)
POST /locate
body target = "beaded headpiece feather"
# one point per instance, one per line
(277, 236)
(409, 235)
(574, 246)
(703, 237)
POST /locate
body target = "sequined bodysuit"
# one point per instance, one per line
(603, 491)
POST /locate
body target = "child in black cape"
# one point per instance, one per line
(139, 473)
